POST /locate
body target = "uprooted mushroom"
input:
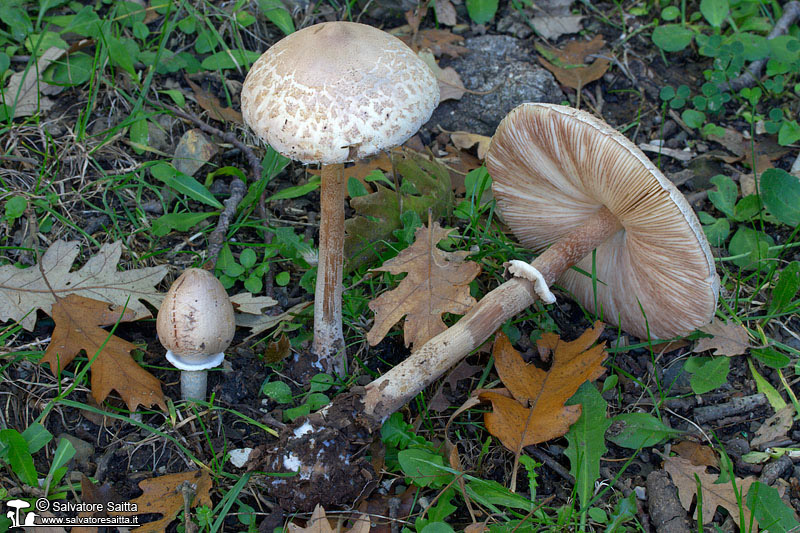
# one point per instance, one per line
(569, 184)
(333, 93)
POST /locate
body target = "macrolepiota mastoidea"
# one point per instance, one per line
(196, 325)
(334, 93)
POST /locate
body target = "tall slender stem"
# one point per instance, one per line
(395, 388)
(328, 344)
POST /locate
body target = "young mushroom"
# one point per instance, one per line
(569, 184)
(333, 93)
(195, 324)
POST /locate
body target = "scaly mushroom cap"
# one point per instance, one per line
(337, 92)
(553, 167)
(195, 321)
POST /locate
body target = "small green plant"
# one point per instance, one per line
(16, 452)
(314, 399)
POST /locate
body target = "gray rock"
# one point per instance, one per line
(507, 68)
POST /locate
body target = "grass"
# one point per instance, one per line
(90, 156)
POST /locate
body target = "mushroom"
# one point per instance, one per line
(333, 93)
(568, 183)
(582, 187)
(195, 324)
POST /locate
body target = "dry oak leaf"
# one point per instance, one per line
(22, 291)
(164, 495)
(728, 339)
(318, 523)
(535, 412)
(437, 283)
(683, 473)
(698, 454)
(570, 69)
(259, 323)
(78, 327)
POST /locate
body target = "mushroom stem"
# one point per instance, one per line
(194, 384)
(328, 344)
(397, 387)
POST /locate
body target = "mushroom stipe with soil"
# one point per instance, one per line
(570, 184)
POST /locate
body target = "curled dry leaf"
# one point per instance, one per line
(533, 411)
(437, 283)
(318, 523)
(728, 339)
(164, 495)
(450, 85)
(698, 454)
(23, 291)
(465, 140)
(774, 428)
(685, 475)
(78, 327)
(25, 88)
(568, 64)
(245, 302)
(194, 150)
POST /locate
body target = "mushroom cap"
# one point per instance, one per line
(195, 321)
(337, 92)
(553, 167)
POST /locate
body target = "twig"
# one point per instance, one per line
(550, 462)
(217, 237)
(748, 78)
(227, 136)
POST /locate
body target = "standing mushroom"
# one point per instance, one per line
(195, 324)
(568, 182)
(334, 93)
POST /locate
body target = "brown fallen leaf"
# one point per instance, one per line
(683, 473)
(25, 88)
(759, 151)
(318, 523)
(245, 302)
(78, 327)
(535, 411)
(728, 339)
(465, 140)
(437, 41)
(164, 495)
(194, 150)
(261, 323)
(23, 291)
(437, 283)
(698, 454)
(570, 69)
(277, 350)
(450, 85)
(212, 104)
(774, 428)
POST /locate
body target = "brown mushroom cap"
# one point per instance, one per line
(195, 321)
(553, 167)
(336, 92)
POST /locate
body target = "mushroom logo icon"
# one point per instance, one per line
(18, 505)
